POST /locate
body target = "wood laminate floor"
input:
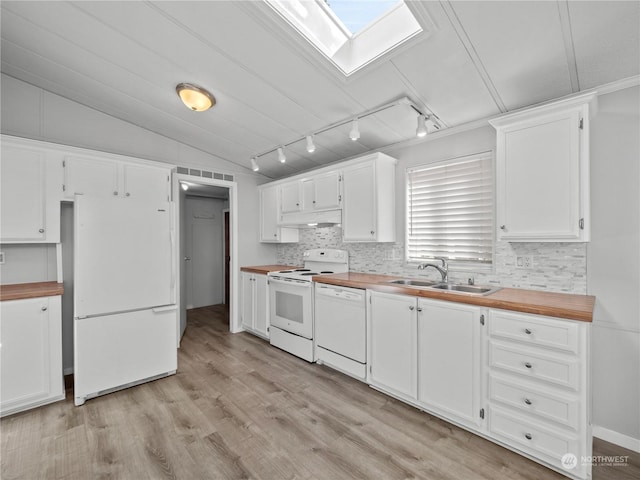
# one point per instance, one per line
(238, 409)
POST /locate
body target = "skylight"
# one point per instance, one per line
(357, 14)
(351, 34)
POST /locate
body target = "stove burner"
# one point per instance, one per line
(326, 271)
(309, 273)
(302, 270)
(285, 271)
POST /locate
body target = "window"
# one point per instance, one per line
(450, 210)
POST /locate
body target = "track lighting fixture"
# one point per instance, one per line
(354, 134)
(254, 164)
(310, 145)
(281, 155)
(421, 131)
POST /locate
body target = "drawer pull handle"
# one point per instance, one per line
(527, 401)
(412, 308)
(528, 436)
(528, 365)
(527, 331)
(44, 309)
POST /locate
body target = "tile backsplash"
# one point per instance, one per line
(556, 267)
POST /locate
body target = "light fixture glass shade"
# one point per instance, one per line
(310, 145)
(421, 131)
(354, 134)
(281, 156)
(254, 164)
(196, 98)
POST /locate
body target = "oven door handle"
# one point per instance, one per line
(289, 282)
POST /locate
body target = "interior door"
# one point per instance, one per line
(123, 255)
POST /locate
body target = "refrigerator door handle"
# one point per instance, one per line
(166, 308)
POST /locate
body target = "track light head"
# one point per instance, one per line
(421, 131)
(354, 134)
(310, 145)
(254, 164)
(281, 155)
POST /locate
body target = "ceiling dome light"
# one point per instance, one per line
(281, 156)
(254, 164)
(354, 134)
(421, 131)
(310, 146)
(196, 98)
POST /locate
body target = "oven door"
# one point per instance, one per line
(290, 305)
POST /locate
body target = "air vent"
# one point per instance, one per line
(205, 174)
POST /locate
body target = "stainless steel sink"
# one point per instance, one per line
(474, 289)
(414, 283)
(447, 287)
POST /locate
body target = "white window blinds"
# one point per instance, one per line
(450, 210)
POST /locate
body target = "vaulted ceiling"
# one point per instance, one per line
(474, 60)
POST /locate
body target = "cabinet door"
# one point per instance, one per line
(393, 344)
(247, 300)
(142, 182)
(269, 214)
(358, 213)
(23, 194)
(290, 198)
(327, 191)
(260, 307)
(449, 359)
(91, 176)
(539, 179)
(31, 353)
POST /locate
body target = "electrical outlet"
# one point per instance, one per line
(1, 258)
(524, 261)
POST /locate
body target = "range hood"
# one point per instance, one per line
(328, 218)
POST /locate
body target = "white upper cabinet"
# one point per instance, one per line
(106, 177)
(542, 159)
(368, 211)
(29, 183)
(290, 197)
(321, 192)
(270, 232)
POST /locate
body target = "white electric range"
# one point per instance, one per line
(291, 300)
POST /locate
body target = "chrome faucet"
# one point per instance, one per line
(443, 269)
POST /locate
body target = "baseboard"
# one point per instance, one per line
(617, 438)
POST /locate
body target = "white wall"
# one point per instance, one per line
(613, 272)
(204, 231)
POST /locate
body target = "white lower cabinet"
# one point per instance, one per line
(537, 386)
(449, 360)
(30, 353)
(392, 355)
(519, 379)
(255, 311)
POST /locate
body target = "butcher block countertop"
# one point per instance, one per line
(562, 305)
(19, 291)
(264, 269)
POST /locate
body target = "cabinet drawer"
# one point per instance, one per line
(534, 330)
(535, 364)
(534, 438)
(529, 398)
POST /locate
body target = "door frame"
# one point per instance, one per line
(234, 324)
(225, 227)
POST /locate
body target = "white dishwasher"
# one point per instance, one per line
(340, 328)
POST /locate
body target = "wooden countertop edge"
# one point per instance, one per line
(264, 269)
(560, 305)
(20, 291)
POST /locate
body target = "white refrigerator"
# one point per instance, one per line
(124, 294)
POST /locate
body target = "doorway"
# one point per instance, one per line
(206, 242)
